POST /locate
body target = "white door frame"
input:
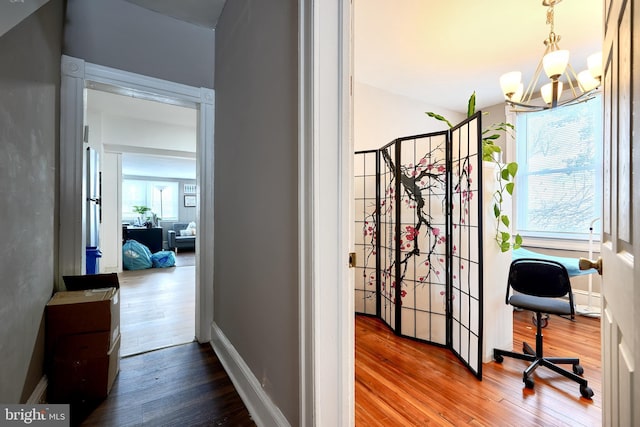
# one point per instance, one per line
(77, 75)
(325, 228)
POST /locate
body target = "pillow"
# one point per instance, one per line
(185, 232)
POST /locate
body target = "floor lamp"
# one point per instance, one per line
(161, 188)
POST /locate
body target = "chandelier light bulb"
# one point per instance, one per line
(517, 96)
(587, 81)
(547, 92)
(555, 63)
(510, 82)
(594, 62)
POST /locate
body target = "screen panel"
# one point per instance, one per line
(365, 202)
(465, 245)
(422, 237)
(387, 234)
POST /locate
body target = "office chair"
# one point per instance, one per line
(537, 284)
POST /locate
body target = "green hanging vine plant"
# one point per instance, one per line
(505, 177)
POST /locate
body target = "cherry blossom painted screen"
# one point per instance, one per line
(418, 238)
(387, 235)
(465, 245)
(366, 217)
(421, 258)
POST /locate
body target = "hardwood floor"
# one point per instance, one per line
(157, 307)
(184, 385)
(401, 382)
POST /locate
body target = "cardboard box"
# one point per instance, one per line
(82, 369)
(82, 312)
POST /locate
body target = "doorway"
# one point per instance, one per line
(148, 152)
(77, 77)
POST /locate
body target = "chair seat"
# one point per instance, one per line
(541, 304)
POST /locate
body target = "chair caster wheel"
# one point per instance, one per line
(528, 383)
(586, 392)
(498, 358)
(578, 370)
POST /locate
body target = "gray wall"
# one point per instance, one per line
(256, 240)
(127, 37)
(29, 117)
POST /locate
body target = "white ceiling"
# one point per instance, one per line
(147, 164)
(158, 166)
(435, 51)
(441, 51)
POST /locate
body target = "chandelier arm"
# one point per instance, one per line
(571, 78)
(525, 108)
(531, 87)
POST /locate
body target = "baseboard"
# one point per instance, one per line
(582, 298)
(263, 411)
(39, 394)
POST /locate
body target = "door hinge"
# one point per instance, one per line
(85, 136)
(352, 259)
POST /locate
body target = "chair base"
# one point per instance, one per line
(549, 362)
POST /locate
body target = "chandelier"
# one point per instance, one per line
(555, 63)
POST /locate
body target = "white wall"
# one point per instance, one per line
(381, 116)
(110, 229)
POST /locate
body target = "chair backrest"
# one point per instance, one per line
(541, 278)
(180, 226)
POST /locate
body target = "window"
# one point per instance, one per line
(160, 196)
(559, 184)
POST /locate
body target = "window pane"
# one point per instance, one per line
(134, 193)
(160, 196)
(164, 199)
(559, 177)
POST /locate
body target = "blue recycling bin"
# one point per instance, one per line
(93, 253)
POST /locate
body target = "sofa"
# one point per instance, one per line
(183, 236)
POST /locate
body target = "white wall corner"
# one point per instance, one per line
(262, 409)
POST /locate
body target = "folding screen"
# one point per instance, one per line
(424, 230)
(366, 194)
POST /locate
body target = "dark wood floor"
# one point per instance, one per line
(184, 385)
(400, 382)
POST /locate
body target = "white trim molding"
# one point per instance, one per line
(326, 328)
(263, 411)
(39, 394)
(78, 75)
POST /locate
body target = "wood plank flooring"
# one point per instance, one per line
(184, 385)
(401, 382)
(157, 307)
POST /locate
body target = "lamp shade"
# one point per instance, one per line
(594, 62)
(510, 82)
(555, 63)
(517, 96)
(547, 92)
(586, 80)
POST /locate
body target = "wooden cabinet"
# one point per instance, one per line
(150, 237)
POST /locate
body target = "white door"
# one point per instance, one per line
(621, 239)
